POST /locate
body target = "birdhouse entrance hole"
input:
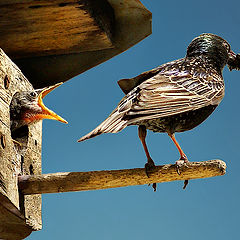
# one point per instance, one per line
(21, 136)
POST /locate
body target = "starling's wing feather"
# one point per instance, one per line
(165, 94)
(129, 84)
(114, 123)
(168, 94)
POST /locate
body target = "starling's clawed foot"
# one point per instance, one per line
(180, 162)
(149, 166)
(154, 187)
(185, 184)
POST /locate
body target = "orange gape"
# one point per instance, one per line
(27, 107)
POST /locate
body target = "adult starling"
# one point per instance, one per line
(174, 97)
(27, 107)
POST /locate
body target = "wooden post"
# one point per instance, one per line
(19, 214)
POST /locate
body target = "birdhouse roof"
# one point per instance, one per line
(54, 40)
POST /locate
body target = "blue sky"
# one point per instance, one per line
(208, 208)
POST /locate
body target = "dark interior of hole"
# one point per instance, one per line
(20, 133)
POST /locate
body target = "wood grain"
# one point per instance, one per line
(108, 26)
(43, 27)
(15, 208)
(83, 181)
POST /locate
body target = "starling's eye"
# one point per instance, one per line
(227, 46)
(33, 94)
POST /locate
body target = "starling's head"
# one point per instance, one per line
(27, 107)
(214, 47)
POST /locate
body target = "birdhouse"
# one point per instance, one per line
(19, 155)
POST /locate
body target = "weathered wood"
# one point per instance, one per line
(70, 41)
(16, 159)
(12, 227)
(39, 28)
(82, 181)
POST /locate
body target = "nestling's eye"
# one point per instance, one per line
(33, 94)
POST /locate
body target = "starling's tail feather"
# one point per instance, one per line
(114, 123)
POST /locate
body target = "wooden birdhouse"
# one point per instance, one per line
(19, 214)
(52, 41)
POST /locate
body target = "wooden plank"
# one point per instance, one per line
(83, 181)
(43, 27)
(17, 210)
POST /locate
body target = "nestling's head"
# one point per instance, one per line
(27, 107)
(215, 48)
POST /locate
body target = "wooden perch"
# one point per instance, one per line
(82, 181)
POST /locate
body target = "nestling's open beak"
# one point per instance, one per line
(47, 113)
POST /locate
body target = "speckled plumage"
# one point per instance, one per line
(180, 87)
(162, 99)
(176, 96)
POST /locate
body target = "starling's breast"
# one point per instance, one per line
(179, 122)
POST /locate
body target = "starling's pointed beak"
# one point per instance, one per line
(232, 55)
(233, 61)
(47, 113)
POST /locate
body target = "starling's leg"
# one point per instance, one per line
(142, 133)
(183, 157)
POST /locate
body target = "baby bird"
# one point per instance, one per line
(27, 107)
(174, 97)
